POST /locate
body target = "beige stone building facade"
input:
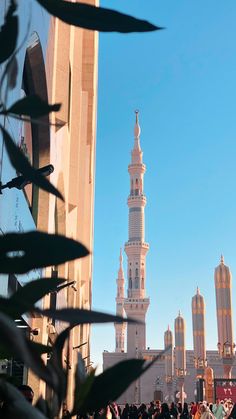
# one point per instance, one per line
(59, 63)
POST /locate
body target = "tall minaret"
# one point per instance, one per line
(136, 304)
(120, 327)
(199, 347)
(168, 343)
(223, 288)
(180, 355)
(169, 361)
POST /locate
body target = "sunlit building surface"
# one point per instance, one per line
(58, 62)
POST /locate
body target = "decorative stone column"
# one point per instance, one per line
(223, 288)
(168, 343)
(180, 355)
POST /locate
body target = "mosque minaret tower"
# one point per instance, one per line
(199, 346)
(169, 361)
(180, 354)
(176, 368)
(136, 304)
(120, 328)
(223, 289)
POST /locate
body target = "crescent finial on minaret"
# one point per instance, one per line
(137, 129)
(198, 291)
(222, 261)
(179, 313)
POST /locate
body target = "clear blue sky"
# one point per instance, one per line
(183, 81)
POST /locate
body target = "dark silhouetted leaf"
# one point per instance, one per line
(8, 33)
(22, 165)
(39, 347)
(16, 344)
(16, 405)
(114, 381)
(39, 250)
(57, 364)
(83, 383)
(95, 18)
(43, 407)
(32, 106)
(76, 316)
(24, 298)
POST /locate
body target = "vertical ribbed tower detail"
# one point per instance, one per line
(199, 347)
(168, 343)
(223, 288)
(120, 327)
(136, 304)
(180, 355)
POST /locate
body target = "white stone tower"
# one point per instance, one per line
(169, 362)
(136, 304)
(223, 288)
(199, 346)
(120, 328)
(180, 354)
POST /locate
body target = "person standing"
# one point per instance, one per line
(173, 411)
(125, 413)
(218, 410)
(185, 412)
(205, 412)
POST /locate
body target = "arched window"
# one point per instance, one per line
(136, 283)
(136, 187)
(142, 283)
(130, 283)
(136, 272)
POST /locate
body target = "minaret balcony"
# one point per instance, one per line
(132, 247)
(134, 168)
(137, 244)
(136, 200)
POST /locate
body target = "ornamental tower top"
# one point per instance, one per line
(223, 289)
(198, 318)
(136, 304)
(136, 248)
(120, 327)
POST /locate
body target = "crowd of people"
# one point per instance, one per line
(221, 409)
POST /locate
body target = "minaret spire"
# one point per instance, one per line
(137, 129)
(121, 272)
(136, 248)
(120, 327)
(137, 154)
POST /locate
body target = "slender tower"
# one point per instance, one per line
(168, 343)
(120, 327)
(136, 304)
(199, 347)
(223, 287)
(180, 356)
